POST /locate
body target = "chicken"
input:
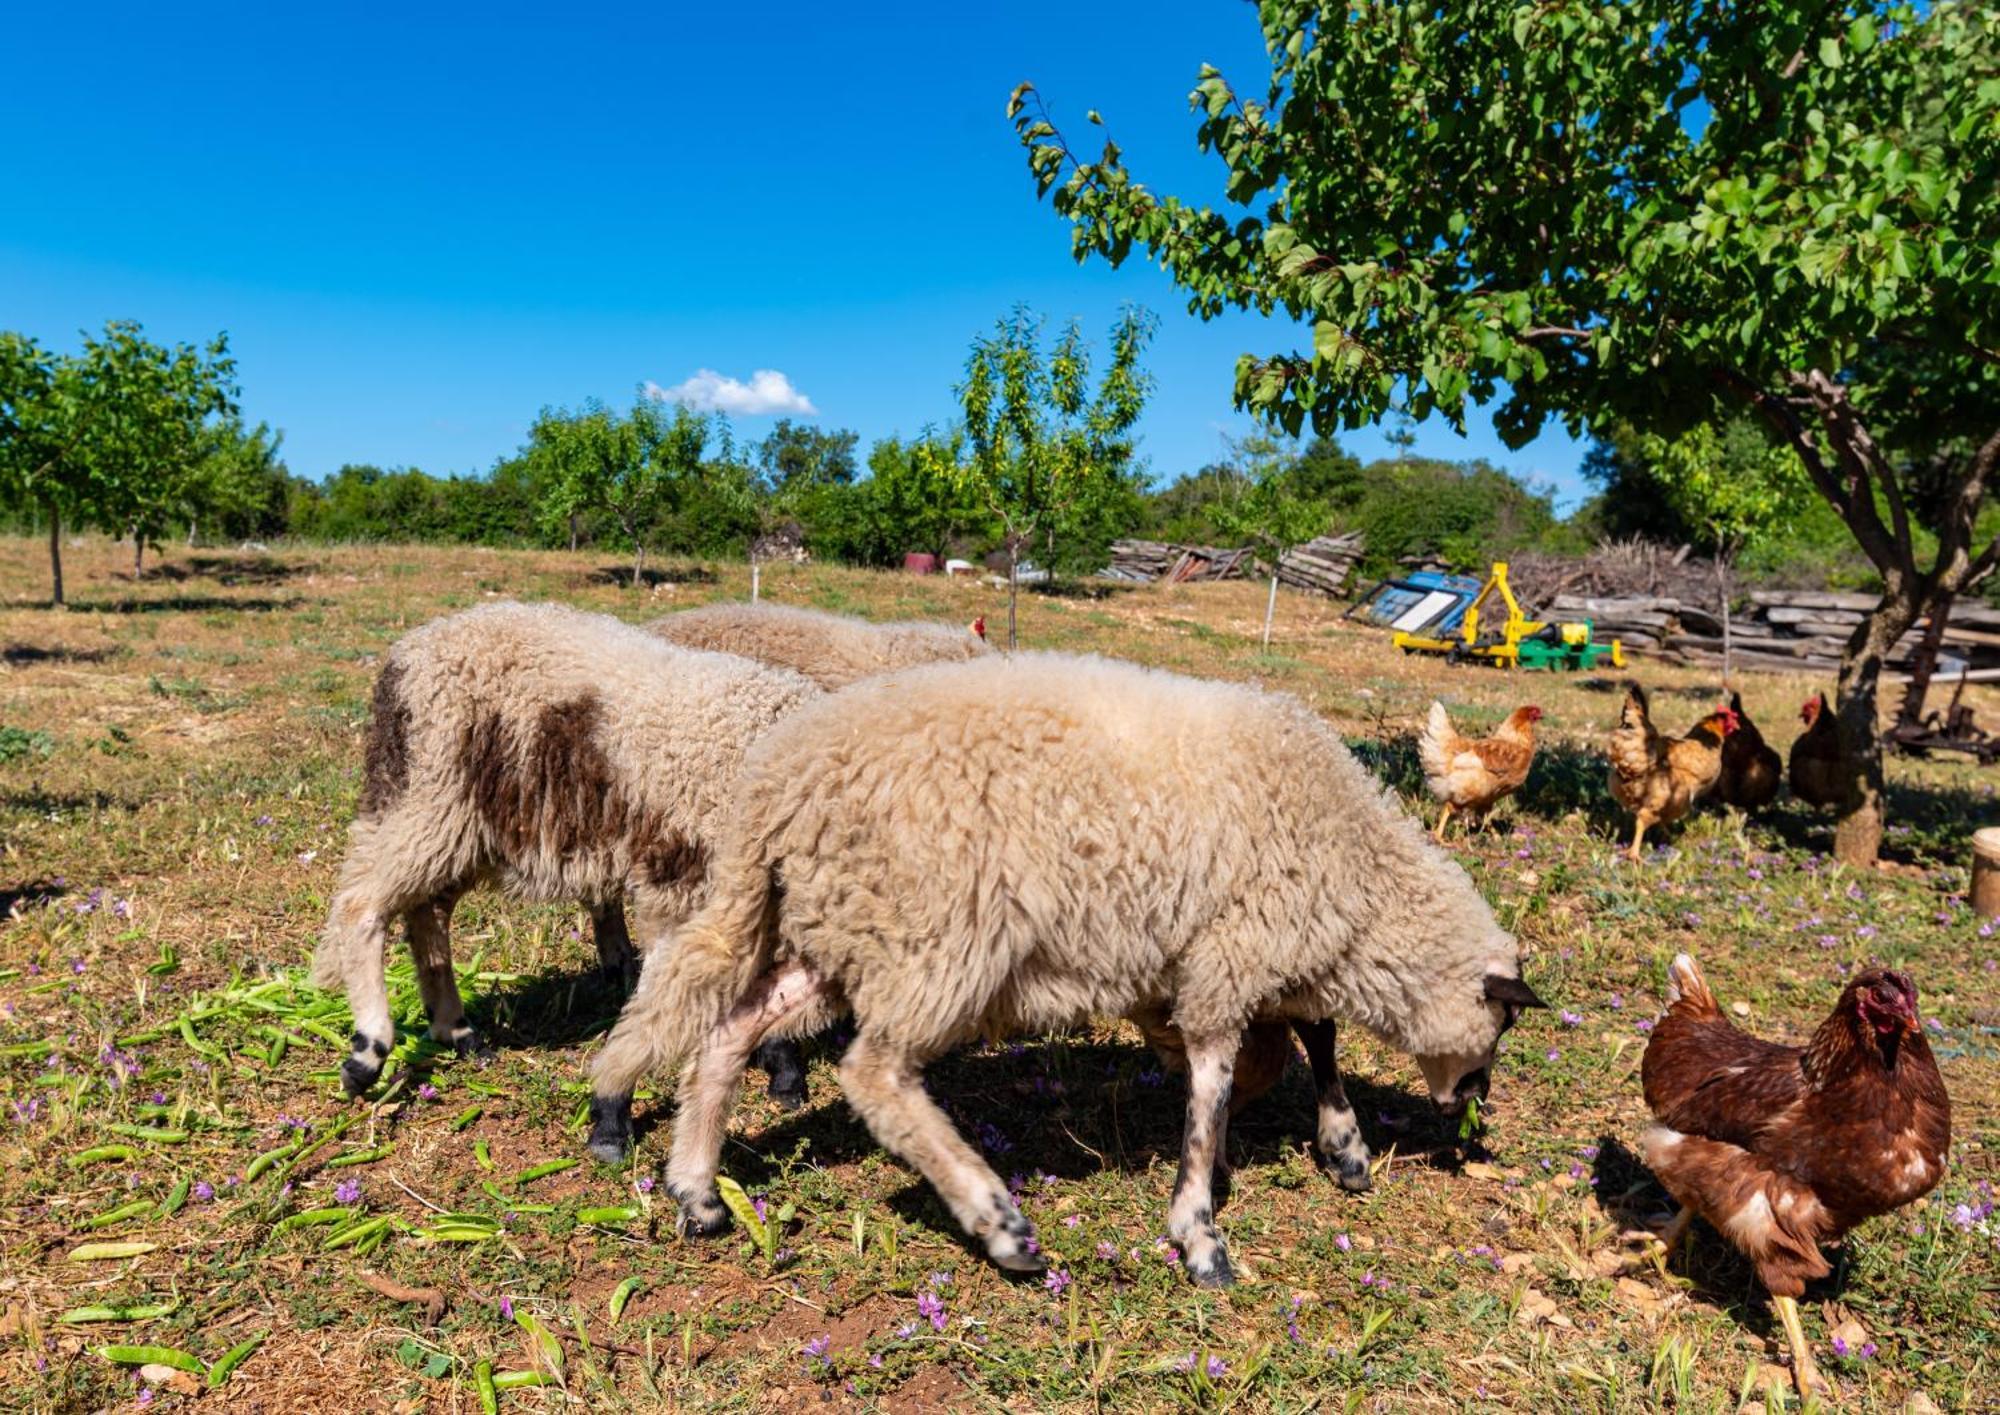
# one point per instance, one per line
(1751, 770)
(1470, 775)
(1659, 778)
(1783, 1149)
(1816, 763)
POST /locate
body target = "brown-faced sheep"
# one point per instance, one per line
(561, 754)
(1015, 845)
(831, 649)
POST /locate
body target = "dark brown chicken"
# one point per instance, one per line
(1815, 762)
(1783, 1149)
(1751, 771)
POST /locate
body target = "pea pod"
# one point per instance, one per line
(196, 1044)
(141, 1312)
(120, 1214)
(516, 1380)
(225, 1367)
(175, 1198)
(616, 1216)
(467, 1116)
(624, 1293)
(543, 1171)
(264, 1161)
(482, 1154)
(309, 1219)
(482, 1380)
(154, 1133)
(153, 1356)
(101, 1153)
(361, 1157)
(105, 1252)
(355, 1234)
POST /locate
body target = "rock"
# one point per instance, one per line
(1740, 1008)
(1517, 1263)
(154, 1374)
(1920, 1404)
(1850, 1335)
(1534, 1309)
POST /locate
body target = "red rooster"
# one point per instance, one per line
(1783, 1149)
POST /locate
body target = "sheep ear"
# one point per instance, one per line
(1501, 988)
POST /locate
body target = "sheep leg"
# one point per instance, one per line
(708, 1092)
(1191, 1214)
(616, 959)
(1339, 1143)
(358, 933)
(884, 1084)
(429, 928)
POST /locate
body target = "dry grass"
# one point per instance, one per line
(183, 758)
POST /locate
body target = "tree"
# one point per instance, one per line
(1648, 213)
(1039, 441)
(1269, 512)
(638, 469)
(1730, 480)
(102, 436)
(796, 455)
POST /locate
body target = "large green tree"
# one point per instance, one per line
(1649, 212)
(638, 469)
(1041, 443)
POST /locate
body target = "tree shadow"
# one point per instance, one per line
(230, 570)
(1080, 588)
(620, 576)
(1565, 779)
(36, 799)
(191, 604)
(26, 655)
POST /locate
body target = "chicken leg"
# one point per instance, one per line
(1638, 834)
(1805, 1374)
(1443, 817)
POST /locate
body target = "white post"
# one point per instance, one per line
(756, 583)
(1270, 608)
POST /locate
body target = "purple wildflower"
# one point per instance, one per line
(1217, 1368)
(1343, 1242)
(645, 1185)
(203, 1190)
(1570, 1019)
(1186, 1363)
(1057, 1280)
(427, 1092)
(816, 1349)
(347, 1191)
(931, 1308)
(506, 1309)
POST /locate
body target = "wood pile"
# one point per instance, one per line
(1322, 565)
(1796, 630)
(1144, 561)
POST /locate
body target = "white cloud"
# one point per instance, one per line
(768, 391)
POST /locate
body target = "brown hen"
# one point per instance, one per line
(1471, 774)
(1818, 777)
(1751, 770)
(1782, 1148)
(1659, 778)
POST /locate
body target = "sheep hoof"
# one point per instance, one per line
(1354, 1176)
(357, 1077)
(1013, 1245)
(1215, 1272)
(469, 1044)
(789, 1092)
(702, 1216)
(611, 1128)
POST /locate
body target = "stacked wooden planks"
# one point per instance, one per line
(1322, 565)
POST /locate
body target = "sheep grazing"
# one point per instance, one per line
(1014, 845)
(831, 649)
(561, 754)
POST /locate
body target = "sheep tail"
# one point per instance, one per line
(689, 983)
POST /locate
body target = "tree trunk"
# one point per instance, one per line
(1270, 609)
(55, 553)
(1722, 589)
(1923, 665)
(572, 532)
(138, 556)
(1013, 588)
(1857, 838)
(638, 565)
(190, 533)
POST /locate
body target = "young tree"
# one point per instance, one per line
(797, 455)
(1732, 481)
(1039, 440)
(637, 469)
(101, 436)
(1472, 200)
(1268, 511)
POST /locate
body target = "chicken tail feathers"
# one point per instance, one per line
(1686, 987)
(1436, 745)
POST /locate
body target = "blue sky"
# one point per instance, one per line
(419, 225)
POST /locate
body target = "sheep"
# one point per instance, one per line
(562, 754)
(1011, 845)
(831, 649)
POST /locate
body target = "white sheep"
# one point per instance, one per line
(831, 649)
(561, 754)
(1014, 845)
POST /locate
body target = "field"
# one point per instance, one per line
(179, 759)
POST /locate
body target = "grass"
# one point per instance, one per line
(180, 761)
